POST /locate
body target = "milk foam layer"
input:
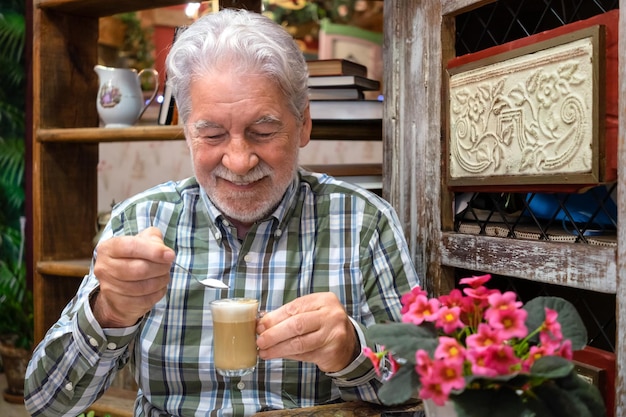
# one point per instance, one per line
(234, 309)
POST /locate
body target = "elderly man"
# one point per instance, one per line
(324, 258)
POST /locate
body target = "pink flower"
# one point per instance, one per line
(480, 332)
(441, 378)
(453, 299)
(505, 301)
(449, 374)
(479, 295)
(566, 350)
(450, 349)
(494, 360)
(449, 319)
(484, 337)
(551, 324)
(408, 298)
(549, 343)
(432, 389)
(476, 282)
(509, 323)
(375, 357)
(393, 363)
(423, 363)
(420, 310)
(534, 353)
(479, 359)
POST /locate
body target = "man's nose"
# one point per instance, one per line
(240, 157)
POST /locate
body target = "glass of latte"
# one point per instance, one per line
(234, 335)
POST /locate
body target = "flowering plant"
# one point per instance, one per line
(488, 354)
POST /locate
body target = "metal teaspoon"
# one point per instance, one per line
(208, 282)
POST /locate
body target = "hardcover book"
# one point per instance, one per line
(345, 81)
(320, 67)
(336, 94)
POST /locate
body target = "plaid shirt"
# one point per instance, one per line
(326, 235)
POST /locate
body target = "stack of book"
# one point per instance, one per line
(337, 91)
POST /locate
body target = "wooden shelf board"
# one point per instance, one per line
(365, 130)
(98, 134)
(576, 265)
(347, 170)
(99, 8)
(68, 268)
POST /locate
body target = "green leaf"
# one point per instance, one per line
(400, 388)
(572, 326)
(403, 339)
(560, 402)
(587, 393)
(492, 402)
(551, 367)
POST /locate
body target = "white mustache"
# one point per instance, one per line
(257, 173)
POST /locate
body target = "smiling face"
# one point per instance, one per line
(244, 143)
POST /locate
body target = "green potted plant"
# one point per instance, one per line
(479, 352)
(16, 304)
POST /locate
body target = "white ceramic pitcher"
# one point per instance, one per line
(120, 100)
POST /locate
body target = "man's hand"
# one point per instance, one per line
(314, 328)
(134, 272)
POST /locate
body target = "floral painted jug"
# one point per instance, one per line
(120, 101)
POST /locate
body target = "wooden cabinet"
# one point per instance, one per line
(64, 143)
(64, 146)
(65, 138)
(419, 40)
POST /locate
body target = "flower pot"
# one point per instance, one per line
(15, 360)
(433, 410)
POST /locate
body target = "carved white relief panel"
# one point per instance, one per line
(526, 118)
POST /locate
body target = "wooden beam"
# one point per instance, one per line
(254, 5)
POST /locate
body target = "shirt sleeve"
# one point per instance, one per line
(76, 361)
(358, 380)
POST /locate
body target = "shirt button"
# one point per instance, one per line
(226, 223)
(218, 235)
(240, 385)
(111, 346)
(69, 386)
(248, 258)
(93, 342)
(278, 233)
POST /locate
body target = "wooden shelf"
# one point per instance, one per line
(67, 268)
(369, 176)
(348, 170)
(366, 130)
(96, 8)
(98, 134)
(540, 261)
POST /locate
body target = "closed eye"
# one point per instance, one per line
(261, 136)
(213, 138)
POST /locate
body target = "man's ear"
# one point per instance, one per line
(307, 125)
